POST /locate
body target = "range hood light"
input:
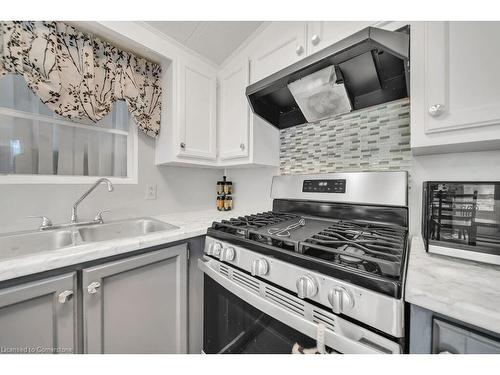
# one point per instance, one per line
(319, 96)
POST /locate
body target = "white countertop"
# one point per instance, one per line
(464, 290)
(191, 224)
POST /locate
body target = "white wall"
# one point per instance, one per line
(252, 188)
(179, 189)
(467, 166)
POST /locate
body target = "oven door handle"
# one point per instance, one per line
(362, 341)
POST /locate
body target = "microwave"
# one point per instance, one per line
(462, 219)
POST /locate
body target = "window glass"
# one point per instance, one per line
(35, 140)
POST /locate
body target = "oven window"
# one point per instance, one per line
(465, 214)
(233, 326)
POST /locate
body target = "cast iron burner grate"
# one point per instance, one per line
(241, 225)
(371, 248)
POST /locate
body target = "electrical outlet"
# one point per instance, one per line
(151, 191)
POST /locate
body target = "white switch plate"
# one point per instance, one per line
(151, 192)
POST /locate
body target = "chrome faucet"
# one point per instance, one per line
(74, 216)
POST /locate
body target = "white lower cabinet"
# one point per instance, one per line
(455, 86)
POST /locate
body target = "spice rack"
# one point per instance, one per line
(224, 195)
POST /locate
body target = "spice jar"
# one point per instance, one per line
(228, 203)
(228, 187)
(220, 187)
(220, 202)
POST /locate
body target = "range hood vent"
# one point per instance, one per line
(368, 68)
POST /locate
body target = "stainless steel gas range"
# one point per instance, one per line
(323, 271)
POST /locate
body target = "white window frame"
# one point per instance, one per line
(132, 153)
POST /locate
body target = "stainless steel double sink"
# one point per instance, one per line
(23, 243)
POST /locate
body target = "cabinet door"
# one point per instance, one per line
(280, 45)
(234, 112)
(197, 114)
(462, 79)
(324, 33)
(39, 317)
(137, 305)
(454, 339)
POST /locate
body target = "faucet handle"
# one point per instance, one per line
(98, 217)
(46, 222)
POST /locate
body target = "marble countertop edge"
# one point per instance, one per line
(191, 224)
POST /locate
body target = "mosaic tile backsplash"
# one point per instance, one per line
(376, 138)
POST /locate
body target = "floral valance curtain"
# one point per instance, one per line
(80, 76)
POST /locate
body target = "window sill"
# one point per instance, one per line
(57, 180)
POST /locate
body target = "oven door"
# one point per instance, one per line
(234, 326)
(243, 314)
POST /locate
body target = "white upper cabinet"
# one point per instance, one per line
(234, 112)
(279, 45)
(189, 129)
(455, 86)
(197, 115)
(322, 34)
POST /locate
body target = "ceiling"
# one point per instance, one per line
(215, 40)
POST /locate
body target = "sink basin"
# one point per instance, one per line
(18, 244)
(23, 243)
(123, 229)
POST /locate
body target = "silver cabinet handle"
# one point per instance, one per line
(315, 39)
(65, 296)
(299, 50)
(242, 146)
(183, 146)
(436, 110)
(92, 287)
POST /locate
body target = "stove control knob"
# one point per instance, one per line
(306, 287)
(340, 299)
(227, 254)
(215, 249)
(260, 267)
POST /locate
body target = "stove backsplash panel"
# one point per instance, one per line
(376, 138)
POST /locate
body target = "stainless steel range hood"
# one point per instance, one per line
(368, 68)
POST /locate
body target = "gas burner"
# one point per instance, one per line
(352, 259)
(272, 240)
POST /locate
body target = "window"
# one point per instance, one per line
(39, 146)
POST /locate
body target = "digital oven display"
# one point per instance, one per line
(324, 186)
